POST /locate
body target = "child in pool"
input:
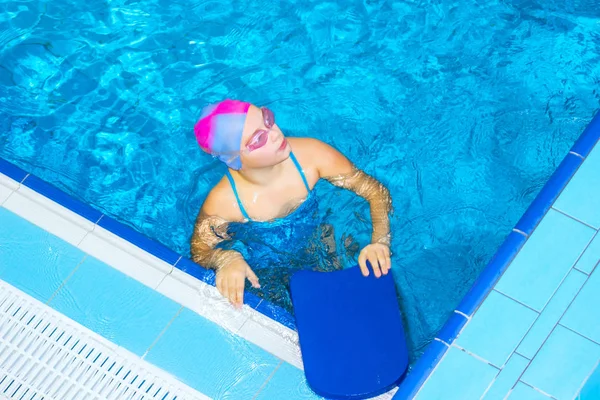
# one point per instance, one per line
(264, 205)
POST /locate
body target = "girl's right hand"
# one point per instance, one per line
(231, 279)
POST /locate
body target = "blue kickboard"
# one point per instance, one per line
(350, 330)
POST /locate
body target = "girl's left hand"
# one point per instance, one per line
(379, 256)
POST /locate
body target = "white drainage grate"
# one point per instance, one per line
(44, 355)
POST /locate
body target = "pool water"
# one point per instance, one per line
(463, 109)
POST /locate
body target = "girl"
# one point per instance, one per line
(261, 214)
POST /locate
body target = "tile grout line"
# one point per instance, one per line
(577, 333)
(168, 274)
(573, 218)
(538, 390)
(64, 282)
(520, 303)
(475, 356)
(162, 332)
(260, 389)
(247, 318)
(491, 384)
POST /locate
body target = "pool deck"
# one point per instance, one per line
(530, 326)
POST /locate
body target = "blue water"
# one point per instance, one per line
(463, 109)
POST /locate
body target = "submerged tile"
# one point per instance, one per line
(583, 315)
(591, 256)
(210, 359)
(507, 378)
(32, 259)
(459, 376)
(115, 306)
(581, 197)
(563, 364)
(552, 313)
(288, 383)
(545, 260)
(496, 328)
(524, 392)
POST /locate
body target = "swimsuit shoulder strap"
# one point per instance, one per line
(237, 197)
(297, 164)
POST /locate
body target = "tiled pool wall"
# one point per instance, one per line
(529, 328)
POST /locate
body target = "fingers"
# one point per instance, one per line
(379, 258)
(384, 260)
(362, 262)
(252, 278)
(238, 293)
(372, 257)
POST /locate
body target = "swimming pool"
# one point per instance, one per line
(463, 111)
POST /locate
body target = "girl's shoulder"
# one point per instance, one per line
(221, 202)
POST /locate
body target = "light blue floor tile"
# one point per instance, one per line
(115, 306)
(287, 383)
(583, 316)
(591, 257)
(563, 364)
(459, 376)
(210, 359)
(591, 390)
(496, 328)
(552, 313)
(507, 378)
(581, 197)
(545, 260)
(524, 392)
(32, 259)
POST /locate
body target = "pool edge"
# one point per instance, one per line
(503, 257)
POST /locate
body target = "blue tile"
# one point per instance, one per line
(563, 364)
(143, 242)
(588, 138)
(545, 260)
(12, 171)
(591, 257)
(584, 313)
(581, 197)
(115, 306)
(451, 328)
(544, 200)
(60, 197)
(32, 259)
(591, 389)
(489, 276)
(496, 328)
(524, 392)
(507, 378)
(210, 359)
(459, 376)
(195, 270)
(551, 314)
(421, 370)
(287, 383)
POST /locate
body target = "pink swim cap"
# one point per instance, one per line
(219, 130)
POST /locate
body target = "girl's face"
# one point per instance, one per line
(263, 143)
